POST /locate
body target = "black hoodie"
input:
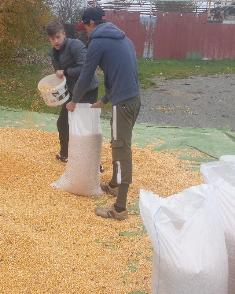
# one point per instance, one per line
(110, 49)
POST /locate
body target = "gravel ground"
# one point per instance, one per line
(205, 102)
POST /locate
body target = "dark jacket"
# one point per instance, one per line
(110, 49)
(70, 58)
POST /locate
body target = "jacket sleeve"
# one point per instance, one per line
(78, 51)
(93, 57)
(54, 62)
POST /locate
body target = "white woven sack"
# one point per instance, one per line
(228, 158)
(189, 247)
(220, 175)
(82, 176)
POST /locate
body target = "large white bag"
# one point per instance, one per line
(221, 176)
(228, 158)
(189, 248)
(82, 174)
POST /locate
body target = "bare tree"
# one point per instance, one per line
(175, 6)
(68, 11)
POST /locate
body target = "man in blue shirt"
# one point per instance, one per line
(111, 50)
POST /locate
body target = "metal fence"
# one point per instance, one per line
(173, 35)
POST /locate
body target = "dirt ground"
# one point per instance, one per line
(205, 102)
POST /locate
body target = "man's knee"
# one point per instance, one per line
(120, 151)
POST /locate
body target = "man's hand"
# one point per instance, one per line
(71, 106)
(98, 104)
(59, 74)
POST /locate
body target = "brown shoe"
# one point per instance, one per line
(110, 212)
(62, 158)
(109, 190)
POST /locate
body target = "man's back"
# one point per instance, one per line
(118, 61)
(110, 49)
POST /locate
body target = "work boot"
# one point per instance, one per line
(62, 158)
(110, 212)
(101, 169)
(109, 190)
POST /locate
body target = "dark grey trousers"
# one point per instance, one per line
(124, 116)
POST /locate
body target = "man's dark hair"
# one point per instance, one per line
(93, 13)
(54, 27)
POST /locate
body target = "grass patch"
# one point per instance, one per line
(18, 83)
(18, 87)
(177, 69)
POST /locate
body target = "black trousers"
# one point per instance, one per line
(63, 125)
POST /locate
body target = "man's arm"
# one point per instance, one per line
(100, 103)
(93, 57)
(54, 62)
(78, 51)
(104, 100)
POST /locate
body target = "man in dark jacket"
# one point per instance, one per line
(68, 56)
(110, 49)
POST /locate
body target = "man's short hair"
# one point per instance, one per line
(54, 27)
(93, 13)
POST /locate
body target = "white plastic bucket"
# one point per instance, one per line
(53, 90)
